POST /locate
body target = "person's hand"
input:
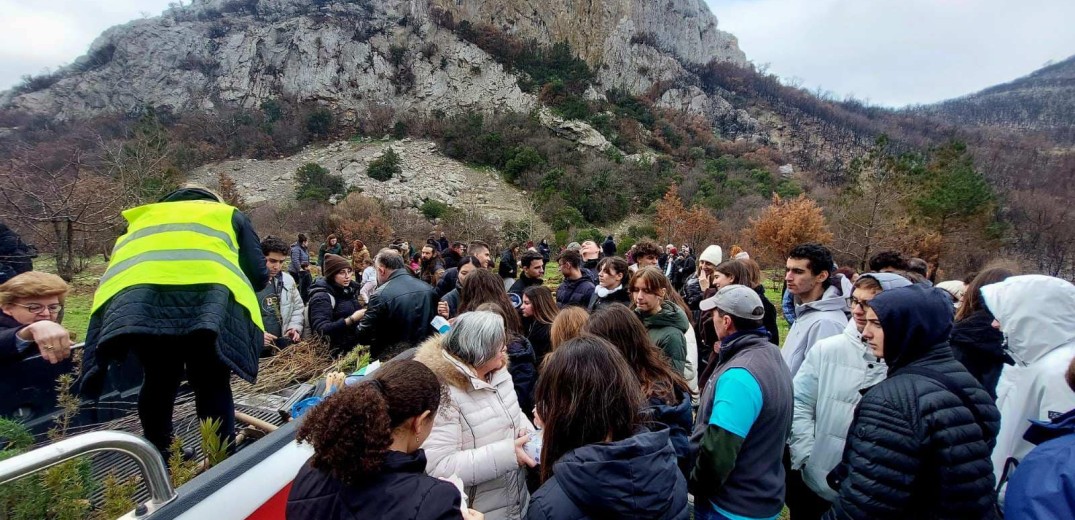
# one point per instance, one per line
(442, 309)
(520, 454)
(470, 514)
(357, 316)
(703, 282)
(293, 335)
(270, 340)
(53, 341)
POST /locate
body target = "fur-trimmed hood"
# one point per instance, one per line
(453, 371)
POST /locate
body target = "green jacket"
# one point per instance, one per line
(666, 330)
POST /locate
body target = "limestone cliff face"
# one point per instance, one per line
(632, 43)
(355, 55)
(350, 56)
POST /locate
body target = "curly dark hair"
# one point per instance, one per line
(352, 429)
(647, 248)
(888, 260)
(271, 244)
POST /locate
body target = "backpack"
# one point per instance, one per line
(306, 311)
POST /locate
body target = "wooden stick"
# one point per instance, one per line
(255, 422)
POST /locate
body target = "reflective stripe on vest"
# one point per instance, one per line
(178, 243)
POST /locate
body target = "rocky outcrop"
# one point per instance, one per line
(426, 175)
(357, 55)
(350, 56)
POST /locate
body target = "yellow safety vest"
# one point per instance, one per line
(178, 243)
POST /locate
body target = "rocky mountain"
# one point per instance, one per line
(1043, 101)
(355, 55)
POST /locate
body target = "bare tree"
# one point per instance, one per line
(60, 199)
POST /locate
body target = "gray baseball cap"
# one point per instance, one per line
(738, 300)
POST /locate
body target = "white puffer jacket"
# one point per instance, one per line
(474, 435)
(827, 389)
(1037, 316)
(291, 306)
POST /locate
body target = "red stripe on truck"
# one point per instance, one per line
(274, 508)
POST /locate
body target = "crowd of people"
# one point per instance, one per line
(651, 384)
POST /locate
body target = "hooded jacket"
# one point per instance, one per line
(816, 321)
(327, 319)
(829, 384)
(401, 491)
(914, 450)
(1036, 317)
(291, 306)
(474, 434)
(182, 310)
(980, 348)
(636, 477)
(575, 292)
(1043, 486)
(666, 330)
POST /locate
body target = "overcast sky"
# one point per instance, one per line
(889, 52)
(898, 52)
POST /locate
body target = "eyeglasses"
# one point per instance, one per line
(854, 302)
(36, 308)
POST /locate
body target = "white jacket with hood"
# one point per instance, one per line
(816, 321)
(1037, 317)
(827, 387)
(474, 435)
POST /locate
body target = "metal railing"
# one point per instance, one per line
(149, 461)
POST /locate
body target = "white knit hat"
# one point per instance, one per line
(712, 254)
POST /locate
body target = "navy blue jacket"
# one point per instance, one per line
(1043, 486)
(680, 422)
(575, 292)
(401, 492)
(633, 478)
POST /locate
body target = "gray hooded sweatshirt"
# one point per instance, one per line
(816, 321)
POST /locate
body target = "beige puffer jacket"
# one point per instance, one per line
(474, 435)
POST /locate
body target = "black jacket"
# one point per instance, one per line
(448, 281)
(329, 320)
(980, 348)
(914, 450)
(538, 335)
(401, 492)
(522, 366)
(608, 247)
(508, 268)
(621, 296)
(29, 384)
(523, 282)
(770, 316)
(633, 478)
(575, 292)
(182, 310)
(545, 251)
(399, 312)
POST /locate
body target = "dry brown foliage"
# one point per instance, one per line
(785, 224)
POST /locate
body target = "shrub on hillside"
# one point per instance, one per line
(385, 166)
(313, 181)
(433, 209)
(319, 122)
